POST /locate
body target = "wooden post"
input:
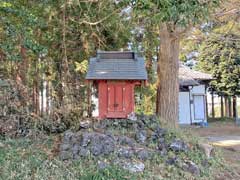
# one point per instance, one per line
(206, 101)
(213, 112)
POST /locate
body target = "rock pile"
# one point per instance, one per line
(84, 144)
(145, 139)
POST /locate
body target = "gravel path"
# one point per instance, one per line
(227, 142)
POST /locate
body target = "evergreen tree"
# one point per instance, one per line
(220, 56)
(45, 45)
(172, 19)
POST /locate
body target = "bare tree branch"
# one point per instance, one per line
(97, 22)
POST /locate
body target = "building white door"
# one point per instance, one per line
(199, 108)
(184, 108)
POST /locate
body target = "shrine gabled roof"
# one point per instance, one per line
(116, 65)
(190, 77)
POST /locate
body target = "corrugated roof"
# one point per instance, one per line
(189, 77)
(117, 65)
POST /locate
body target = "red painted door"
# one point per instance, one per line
(119, 98)
(111, 98)
(116, 101)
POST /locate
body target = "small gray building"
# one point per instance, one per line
(192, 95)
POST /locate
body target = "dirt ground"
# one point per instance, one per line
(226, 136)
(218, 129)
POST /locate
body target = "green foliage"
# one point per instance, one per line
(180, 13)
(82, 67)
(145, 99)
(162, 18)
(18, 24)
(59, 37)
(219, 55)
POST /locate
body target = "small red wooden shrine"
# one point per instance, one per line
(116, 74)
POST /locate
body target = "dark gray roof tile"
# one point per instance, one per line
(117, 65)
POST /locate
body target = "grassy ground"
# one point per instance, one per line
(37, 158)
(23, 159)
(230, 152)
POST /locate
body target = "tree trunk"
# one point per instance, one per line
(89, 97)
(23, 67)
(50, 98)
(47, 97)
(35, 97)
(21, 75)
(230, 106)
(42, 97)
(237, 120)
(35, 90)
(168, 83)
(158, 72)
(226, 106)
(234, 107)
(222, 108)
(206, 104)
(213, 109)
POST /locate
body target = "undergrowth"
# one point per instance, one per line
(26, 158)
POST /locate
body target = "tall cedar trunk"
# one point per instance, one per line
(47, 97)
(230, 106)
(12, 70)
(60, 94)
(22, 67)
(226, 106)
(65, 79)
(35, 91)
(158, 72)
(42, 98)
(89, 102)
(50, 98)
(234, 107)
(168, 84)
(21, 76)
(222, 108)
(213, 109)
(35, 97)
